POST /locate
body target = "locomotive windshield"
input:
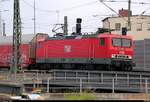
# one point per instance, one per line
(121, 42)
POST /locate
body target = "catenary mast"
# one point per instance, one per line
(16, 37)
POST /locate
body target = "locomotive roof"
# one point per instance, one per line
(26, 38)
(113, 35)
(89, 36)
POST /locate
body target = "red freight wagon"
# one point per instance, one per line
(6, 51)
(6, 55)
(101, 51)
(27, 50)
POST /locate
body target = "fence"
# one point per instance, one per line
(80, 80)
(114, 84)
(142, 54)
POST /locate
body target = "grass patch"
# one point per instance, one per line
(81, 96)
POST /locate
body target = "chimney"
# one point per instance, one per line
(124, 13)
(4, 34)
(78, 26)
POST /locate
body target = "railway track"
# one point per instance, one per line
(42, 74)
(134, 72)
(135, 69)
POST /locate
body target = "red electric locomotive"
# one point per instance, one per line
(100, 51)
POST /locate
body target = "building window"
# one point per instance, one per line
(139, 27)
(117, 26)
(148, 26)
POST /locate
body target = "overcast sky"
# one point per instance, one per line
(50, 12)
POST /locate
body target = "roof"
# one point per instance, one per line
(121, 17)
(26, 38)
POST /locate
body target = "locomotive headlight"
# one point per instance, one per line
(113, 56)
(130, 57)
(121, 56)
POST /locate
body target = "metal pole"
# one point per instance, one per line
(0, 18)
(16, 38)
(144, 54)
(89, 77)
(34, 18)
(54, 77)
(1, 15)
(129, 14)
(80, 85)
(0, 21)
(65, 75)
(128, 78)
(37, 78)
(37, 75)
(34, 86)
(146, 87)
(48, 85)
(140, 82)
(113, 85)
(102, 78)
(57, 11)
(76, 76)
(116, 78)
(24, 76)
(34, 80)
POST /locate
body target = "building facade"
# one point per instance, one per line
(140, 24)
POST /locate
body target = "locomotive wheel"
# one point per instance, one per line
(89, 67)
(109, 67)
(80, 67)
(128, 68)
(125, 68)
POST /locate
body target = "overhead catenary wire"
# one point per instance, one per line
(82, 5)
(101, 1)
(39, 9)
(79, 6)
(116, 1)
(108, 7)
(145, 11)
(87, 4)
(63, 10)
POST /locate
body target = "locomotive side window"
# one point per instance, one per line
(121, 42)
(102, 41)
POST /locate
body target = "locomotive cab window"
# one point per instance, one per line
(121, 42)
(126, 42)
(116, 42)
(102, 41)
